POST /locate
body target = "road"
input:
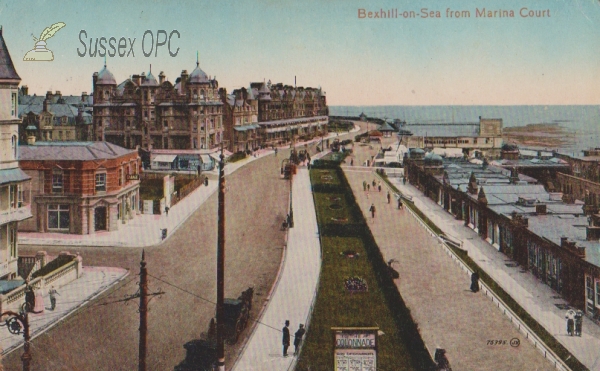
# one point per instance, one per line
(105, 337)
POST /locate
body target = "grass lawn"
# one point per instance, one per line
(334, 306)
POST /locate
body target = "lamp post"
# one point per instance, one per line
(221, 267)
(18, 323)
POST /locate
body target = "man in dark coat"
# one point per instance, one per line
(286, 338)
(298, 338)
(475, 281)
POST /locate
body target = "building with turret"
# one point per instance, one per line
(14, 203)
(54, 117)
(155, 113)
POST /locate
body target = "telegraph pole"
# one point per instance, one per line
(143, 314)
(221, 266)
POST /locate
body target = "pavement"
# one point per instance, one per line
(293, 295)
(436, 290)
(538, 299)
(76, 295)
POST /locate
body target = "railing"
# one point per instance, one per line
(15, 214)
(59, 277)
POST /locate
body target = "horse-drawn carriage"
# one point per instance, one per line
(201, 354)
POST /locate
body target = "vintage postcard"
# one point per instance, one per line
(300, 185)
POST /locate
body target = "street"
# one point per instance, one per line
(105, 337)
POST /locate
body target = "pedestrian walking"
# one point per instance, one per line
(286, 338)
(578, 322)
(298, 338)
(399, 202)
(368, 187)
(372, 210)
(52, 292)
(379, 186)
(374, 184)
(364, 185)
(351, 162)
(389, 197)
(167, 210)
(475, 281)
(570, 316)
(404, 180)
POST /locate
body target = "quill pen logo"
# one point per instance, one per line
(40, 52)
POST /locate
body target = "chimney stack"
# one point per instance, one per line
(24, 90)
(161, 77)
(183, 82)
(84, 96)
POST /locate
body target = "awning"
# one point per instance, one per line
(216, 156)
(245, 127)
(206, 159)
(165, 158)
(13, 175)
(30, 127)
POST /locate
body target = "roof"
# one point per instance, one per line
(13, 175)
(150, 80)
(105, 77)
(197, 75)
(386, 127)
(164, 158)
(7, 69)
(206, 159)
(71, 151)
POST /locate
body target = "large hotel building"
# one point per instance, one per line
(194, 113)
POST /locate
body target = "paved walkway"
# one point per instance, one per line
(294, 292)
(538, 299)
(437, 292)
(71, 297)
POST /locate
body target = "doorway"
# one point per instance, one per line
(100, 218)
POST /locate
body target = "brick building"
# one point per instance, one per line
(14, 207)
(150, 113)
(55, 117)
(285, 112)
(240, 120)
(80, 187)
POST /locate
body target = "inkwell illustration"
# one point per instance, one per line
(40, 52)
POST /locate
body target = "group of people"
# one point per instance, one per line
(297, 338)
(574, 322)
(34, 302)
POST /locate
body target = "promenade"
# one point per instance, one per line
(538, 299)
(295, 290)
(437, 293)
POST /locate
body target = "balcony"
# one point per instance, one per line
(15, 215)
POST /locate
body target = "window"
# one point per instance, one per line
(13, 243)
(14, 144)
(60, 135)
(58, 217)
(165, 123)
(598, 292)
(589, 287)
(120, 177)
(127, 123)
(57, 181)
(14, 110)
(101, 182)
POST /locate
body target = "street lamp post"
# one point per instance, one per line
(221, 267)
(18, 323)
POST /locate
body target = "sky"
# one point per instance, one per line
(550, 59)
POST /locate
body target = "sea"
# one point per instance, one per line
(581, 122)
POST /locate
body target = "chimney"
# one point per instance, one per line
(84, 96)
(49, 95)
(31, 140)
(143, 77)
(161, 77)
(94, 79)
(46, 104)
(540, 209)
(183, 82)
(58, 96)
(572, 247)
(136, 79)
(24, 90)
